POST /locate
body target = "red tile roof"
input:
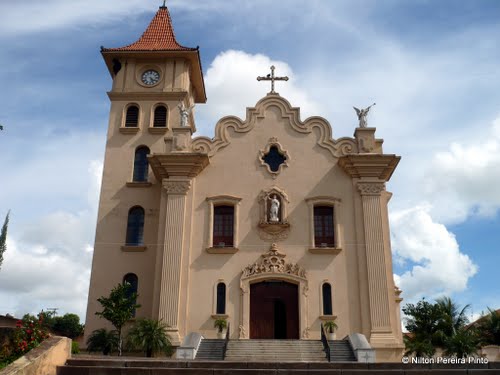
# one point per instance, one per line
(159, 36)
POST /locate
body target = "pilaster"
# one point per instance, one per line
(375, 256)
(369, 171)
(171, 255)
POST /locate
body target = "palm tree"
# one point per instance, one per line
(463, 343)
(103, 341)
(150, 336)
(452, 319)
(489, 328)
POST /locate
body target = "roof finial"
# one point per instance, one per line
(164, 6)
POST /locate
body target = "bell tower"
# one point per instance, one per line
(156, 67)
(156, 83)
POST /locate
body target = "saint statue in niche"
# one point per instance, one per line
(274, 211)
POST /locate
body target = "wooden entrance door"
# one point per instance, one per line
(274, 310)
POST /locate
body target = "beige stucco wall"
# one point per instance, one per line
(44, 359)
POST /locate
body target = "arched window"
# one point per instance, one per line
(223, 226)
(141, 164)
(135, 227)
(132, 117)
(133, 280)
(221, 298)
(327, 299)
(160, 117)
(323, 226)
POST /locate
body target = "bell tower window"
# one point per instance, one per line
(132, 117)
(160, 117)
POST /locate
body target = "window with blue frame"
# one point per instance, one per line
(141, 165)
(327, 299)
(221, 298)
(135, 227)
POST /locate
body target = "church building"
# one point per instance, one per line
(271, 224)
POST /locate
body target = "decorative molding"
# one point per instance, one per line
(157, 129)
(134, 248)
(221, 199)
(180, 187)
(180, 164)
(305, 333)
(147, 95)
(371, 188)
(221, 250)
(274, 231)
(337, 148)
(273, 262)
(219, 316)
(242, 332)
(327, 317)
(129, 130)
(137, 184)
(262, 154)
(180, 142)
(325, 250)
(272, 266)
(379, 166)
(324, 200)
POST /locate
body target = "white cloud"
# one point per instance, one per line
(463, 180)
(230, 72)
(47, 262)
(437, 264)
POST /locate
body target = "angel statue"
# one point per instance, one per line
(184, 113)
(362, 113)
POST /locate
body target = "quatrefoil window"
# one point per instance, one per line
(273, 157)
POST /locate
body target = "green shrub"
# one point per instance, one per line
(103, 341)
(150, 336)
(75, 348)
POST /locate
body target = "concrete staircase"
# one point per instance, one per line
(275, 351)
(155, 366)
(210, 350)
(341, 351)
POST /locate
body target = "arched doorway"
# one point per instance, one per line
(274, 310)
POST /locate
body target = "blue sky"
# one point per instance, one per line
(431, 66)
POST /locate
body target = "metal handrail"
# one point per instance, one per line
(226, 340)
(326, 344)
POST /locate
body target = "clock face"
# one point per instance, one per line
(150, 77)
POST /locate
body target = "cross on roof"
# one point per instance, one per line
(272, 78)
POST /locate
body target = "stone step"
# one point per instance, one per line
(275, 351)
(156, 366)
(212, 350)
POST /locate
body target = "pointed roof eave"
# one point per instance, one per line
(159, 36)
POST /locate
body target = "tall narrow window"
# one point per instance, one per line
(327, 299)
(133, 280)
(223, 226)
(135, 227)
(141, 164)
(160, 117)
(221, 298)
(132, 117)
(323, 226)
